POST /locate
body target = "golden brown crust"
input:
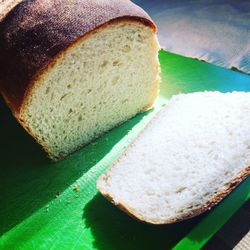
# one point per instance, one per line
(222, 193)
(36, 31)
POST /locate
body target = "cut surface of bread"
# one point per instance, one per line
(99, 82)
(190, 156)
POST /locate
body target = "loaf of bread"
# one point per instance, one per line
(72, 69)
(190, 156)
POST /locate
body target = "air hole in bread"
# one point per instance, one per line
(80, 118)
(180, 189)
(116, 63)
(105, 63)
(47, 90)
(65, 96)
(126, 49)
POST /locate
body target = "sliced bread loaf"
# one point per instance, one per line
(71, 70)
(190, 156)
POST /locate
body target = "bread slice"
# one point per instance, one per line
(190, 156)
(72, 70)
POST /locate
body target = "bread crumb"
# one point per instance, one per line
(76, 188)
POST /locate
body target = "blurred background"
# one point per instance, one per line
(216, 31)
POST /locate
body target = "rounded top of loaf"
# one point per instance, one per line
(35, 31)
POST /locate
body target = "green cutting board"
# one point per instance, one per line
(48, 205)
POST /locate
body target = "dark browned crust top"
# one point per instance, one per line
(35, 31)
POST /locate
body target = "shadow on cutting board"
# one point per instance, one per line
(113, 229)
(28, 180)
